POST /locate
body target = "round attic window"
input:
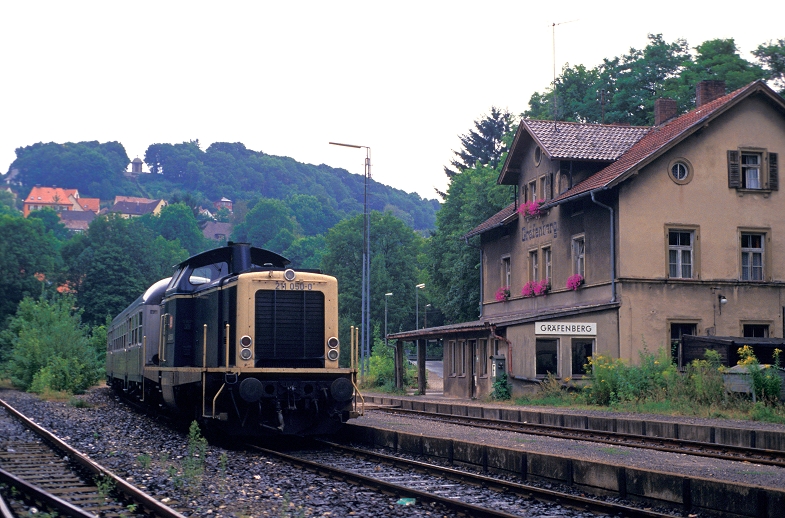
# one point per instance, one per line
(680, 171)
(537, 155)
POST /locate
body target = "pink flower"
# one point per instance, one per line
(541, 288)
(503, 294)
(531, 208)
(574, 281)
(528, 289)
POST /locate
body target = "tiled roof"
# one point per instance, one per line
(216, 228)
(48, 194)
(660, 139)
(134, 208)
(76, 215)
(118, 199)
(502, 217)
(576, 141)
(93, 204)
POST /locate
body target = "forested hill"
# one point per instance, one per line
(222, 170)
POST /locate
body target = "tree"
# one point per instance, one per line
(453, 264)
(483, 144)
(268, 224)
(719, 60)
(115, 262)
(314, 215)
(90, 167)
(453, 275)
(26, 249)
(7, 203)
(177, 221)
(772, 56)
(395, 251)
(51, 222)
(50, 348)
(623, 89)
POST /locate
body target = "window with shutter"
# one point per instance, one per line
(734, 170)
(774, 183)
(753, 169)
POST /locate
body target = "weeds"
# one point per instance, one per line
(105, 485)
(656, 386)
(501, 388)
(144, 460)
(79, 403)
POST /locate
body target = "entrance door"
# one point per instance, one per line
(677, 331)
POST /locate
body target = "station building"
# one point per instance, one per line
(623, 239)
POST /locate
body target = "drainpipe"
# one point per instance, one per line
(466, 240)
(613, 248)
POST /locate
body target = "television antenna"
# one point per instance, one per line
(553, 36)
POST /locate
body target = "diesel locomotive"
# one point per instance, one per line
(238, 341)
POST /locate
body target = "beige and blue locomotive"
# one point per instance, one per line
(239, 342)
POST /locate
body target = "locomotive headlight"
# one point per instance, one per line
(333, 342)
(246, 341)
(246, 354)
(288, 274)
(332, 355)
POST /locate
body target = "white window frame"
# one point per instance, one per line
(751, 173)
(534, 265)
(749, 253)
(678, 252)
(506, 270)
(579, 255)
(547, 261)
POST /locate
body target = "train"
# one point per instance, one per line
(238, 341)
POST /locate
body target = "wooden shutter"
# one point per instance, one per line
(774, 183)
(734, 170)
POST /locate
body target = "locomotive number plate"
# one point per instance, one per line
(293, 286)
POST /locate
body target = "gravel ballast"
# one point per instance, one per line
(150, 454)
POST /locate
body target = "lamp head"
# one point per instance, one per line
(723, 299)
(420, 286)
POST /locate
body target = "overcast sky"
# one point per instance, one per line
(405, 78)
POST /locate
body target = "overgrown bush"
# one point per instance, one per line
(501, 387)
(702, 381)
(613, 381)
(766, 382)
(50, 348)
(381, 367)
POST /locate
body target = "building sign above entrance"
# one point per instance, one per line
(565, 328)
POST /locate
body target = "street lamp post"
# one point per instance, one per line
(425, 325)
(365, 335)
(417, 305)
(385, 316)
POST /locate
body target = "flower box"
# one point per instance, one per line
(575, 281)
(503, 294)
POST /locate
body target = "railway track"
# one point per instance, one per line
(462, 492)
(39, 470)
(702, 449)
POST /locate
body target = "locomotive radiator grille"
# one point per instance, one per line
(289, 329)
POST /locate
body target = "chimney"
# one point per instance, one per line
(664, 110)
(707, 91)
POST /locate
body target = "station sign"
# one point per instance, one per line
(565, 328)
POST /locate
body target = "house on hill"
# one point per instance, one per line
(132, 207)
(623, 239)
(217, 231)
(223, 203)
(77, 221)
(59, 200)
